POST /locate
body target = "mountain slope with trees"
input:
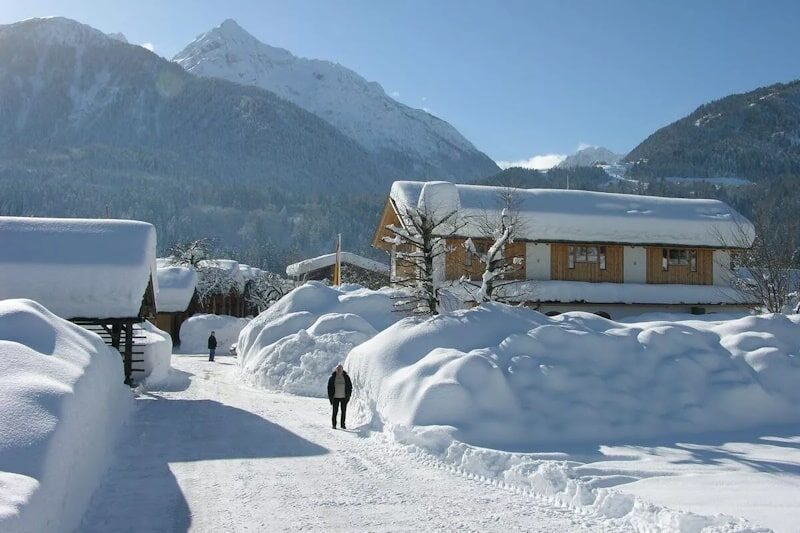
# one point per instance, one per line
(91, 125)
(754, 135)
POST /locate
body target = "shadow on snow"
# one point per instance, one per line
(140, 493)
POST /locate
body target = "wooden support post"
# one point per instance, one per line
(116, 330)
(128, 355)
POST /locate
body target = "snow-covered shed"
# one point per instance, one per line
(625, 245)
(177, 296)
(355, 269)
(98, 273)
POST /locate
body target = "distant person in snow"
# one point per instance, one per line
(339, 390)
(212, 346)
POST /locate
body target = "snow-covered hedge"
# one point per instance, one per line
(196, 329)
(511, 378)
(296, 343)
(62, 401)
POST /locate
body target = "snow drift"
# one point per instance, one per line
(512, 378)
(295, 344)
(156, 353)
(63, 400)
(196, 329)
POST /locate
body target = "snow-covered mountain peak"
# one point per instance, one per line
(359, 108)
(118, 36)
(56, 31)
(590, 156)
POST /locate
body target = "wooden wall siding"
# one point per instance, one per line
(680, 274)
(455, 260)
(559, 266)
(517, 249)
(404, 269)
(388, 216)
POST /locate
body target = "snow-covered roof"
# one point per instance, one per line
(612, 293)
(324, 261)
(583, 216)
(176, 285)
(92, 268)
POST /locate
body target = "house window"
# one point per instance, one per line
(679, 257)
(586, 254)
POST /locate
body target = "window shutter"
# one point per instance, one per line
(693, 260)
(665, 259)
(602, 257)
(571, 257)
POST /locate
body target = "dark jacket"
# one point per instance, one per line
(212, 342)
(348, 386)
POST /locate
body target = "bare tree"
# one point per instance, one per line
(267, 288)
(499, 264)
(764, 270)
(213, 281)
(190, 253)
(420, 240)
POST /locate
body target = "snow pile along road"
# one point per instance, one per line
(196, 329)
(63, 399)
(511, 377)
(156, 353)
(487, 390)
(296, 343)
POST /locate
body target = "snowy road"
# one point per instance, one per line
(210, 454)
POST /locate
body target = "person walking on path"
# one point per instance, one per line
(339, 390)
(212, 346)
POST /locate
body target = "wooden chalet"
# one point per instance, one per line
(97, 273)
(611, 254)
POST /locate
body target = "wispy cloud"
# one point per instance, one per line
(538, 162)
(584, 146)
(395, 94)
(148, 46)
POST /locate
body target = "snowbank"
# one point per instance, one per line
(512, 378)
(501, 394)
(157, 353)
(295, 344)
(176, 286)
(63, 400)
(196, 329)
(557, 478)
(89, 268)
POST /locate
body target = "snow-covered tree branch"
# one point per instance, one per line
(418, 243)
(499, 264)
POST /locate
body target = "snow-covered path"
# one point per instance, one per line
(210, 454)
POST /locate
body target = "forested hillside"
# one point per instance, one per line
(754, 135)
(90, 124)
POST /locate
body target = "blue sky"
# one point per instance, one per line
(518, 78)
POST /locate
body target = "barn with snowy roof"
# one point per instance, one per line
(355, 269)
(611, 254)
(177, 296)
(98, 273)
